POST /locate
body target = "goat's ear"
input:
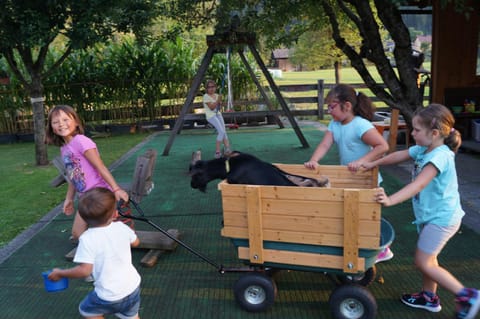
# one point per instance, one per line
(231, 154)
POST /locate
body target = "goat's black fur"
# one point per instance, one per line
(244, 169)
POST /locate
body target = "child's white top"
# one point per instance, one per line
(209, 99)
(108, 249)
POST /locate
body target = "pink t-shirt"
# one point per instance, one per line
(79, 170)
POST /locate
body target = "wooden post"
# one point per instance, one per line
(350, 231)
(320, 94)
(392, 139)
(255, 229)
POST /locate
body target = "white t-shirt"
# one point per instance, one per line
(108, 249)
(209, 99)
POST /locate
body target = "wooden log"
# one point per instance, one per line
(142, 182)
(62, 177)
(151, 258)
(148, 240)
(157, 240)
(69, 256)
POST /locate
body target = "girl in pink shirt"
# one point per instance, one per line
(85, 169)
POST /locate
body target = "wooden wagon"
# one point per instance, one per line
(335, 230)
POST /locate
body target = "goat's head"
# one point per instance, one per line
(199, 175)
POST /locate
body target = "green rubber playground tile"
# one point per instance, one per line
(181, 285)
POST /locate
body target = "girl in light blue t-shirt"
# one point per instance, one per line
(357, 140)
(436, 204)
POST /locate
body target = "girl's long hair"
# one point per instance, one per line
(362, 104)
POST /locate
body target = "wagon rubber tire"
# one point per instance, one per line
(364, 279)
(255, 292)
(352, 301)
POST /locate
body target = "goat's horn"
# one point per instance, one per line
(196, 156)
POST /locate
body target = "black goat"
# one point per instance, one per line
(242, 168)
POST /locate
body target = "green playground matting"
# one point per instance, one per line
(181, 285)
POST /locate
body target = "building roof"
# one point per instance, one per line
(281, 53)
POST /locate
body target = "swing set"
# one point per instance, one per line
(220, 43)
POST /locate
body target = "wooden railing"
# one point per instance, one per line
(318, 100)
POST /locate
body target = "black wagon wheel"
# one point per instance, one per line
(363, 279)
(352, 301)
(255, 292)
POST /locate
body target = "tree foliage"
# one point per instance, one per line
(29, 29)
(282, 22)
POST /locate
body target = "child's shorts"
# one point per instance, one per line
(433, 238)
(125, 308)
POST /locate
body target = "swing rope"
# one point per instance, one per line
(229, 83)
(227, 75)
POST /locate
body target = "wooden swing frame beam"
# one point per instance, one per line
(217, 43)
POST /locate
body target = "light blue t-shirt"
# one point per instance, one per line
(349, 142)
(439, 202)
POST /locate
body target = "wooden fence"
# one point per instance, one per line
(295, 102)
(302, 99)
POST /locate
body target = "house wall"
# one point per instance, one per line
(454, 50)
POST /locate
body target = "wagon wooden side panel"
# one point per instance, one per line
(283, 224)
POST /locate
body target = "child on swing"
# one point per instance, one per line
(436, 204)
(212, 104)
(83, 164)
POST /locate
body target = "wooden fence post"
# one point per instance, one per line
(320, 94)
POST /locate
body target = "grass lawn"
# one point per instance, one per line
(25, 192)
(347, 75)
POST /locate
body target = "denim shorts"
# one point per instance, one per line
(433, 238)
(125, 308)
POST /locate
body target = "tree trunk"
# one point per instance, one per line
(398, 91)
(37, 99)
(337, 67)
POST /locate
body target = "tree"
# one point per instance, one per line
(29, 29)
(284, 21)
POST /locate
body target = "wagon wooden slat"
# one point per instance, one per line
(344, 216)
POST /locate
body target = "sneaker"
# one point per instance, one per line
(227, 151)
(218, 154)
(467, 304)
(422, 301)
(384, 255)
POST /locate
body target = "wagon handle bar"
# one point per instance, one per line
(219, 268)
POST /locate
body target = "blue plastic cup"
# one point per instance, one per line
(52, 286)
